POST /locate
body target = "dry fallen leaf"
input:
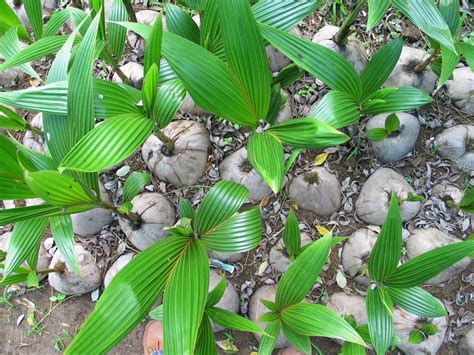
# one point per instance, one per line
(320, 159)
(341, 279)
(263, 266)
(322, 230)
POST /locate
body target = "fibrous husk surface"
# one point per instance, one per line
(461, 89)
(230, 301)
(404, 72)
(257, 309)
(399, 143)
(374, 199)
(317, 191)
(405, 323)
(187, 163)
(70, 283)
(279, 257)
(424, 240)
(156, 213)
(118, 265)
(88, 223)
(457, 144)
(353, 51)
(133, 71)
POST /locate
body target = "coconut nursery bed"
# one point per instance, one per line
(343, 189)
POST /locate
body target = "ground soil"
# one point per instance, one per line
(55, 324)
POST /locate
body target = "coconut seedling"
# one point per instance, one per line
(393, 284)
(216, 318)
(352, 95)
(290, 246)
(290, 316)
(392, 136)
(178, 268)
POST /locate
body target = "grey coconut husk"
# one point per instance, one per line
(425, 240)
(257, 309)
(156, 213)
(457, 144)
(404, 74)
(353, 51)
(185, 166)
(405, 322)
(317, 191)
(276, 59)
(356, 252)
(146, 17)
(44, 257)
(33, 141)
(285, 113)
(400, 143)
(190, 107)
(118, 265)
(10, 76)
(466, 344)
(237, 168)
(279, 258)
(70, 283)
(374, 199)
(133, 71)
(230, 301)
(48, 6)
(290, 351)
(89, 223)
(461, 89)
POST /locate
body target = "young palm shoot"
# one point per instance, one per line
(177, 267)
(297, 319)
(400, 285)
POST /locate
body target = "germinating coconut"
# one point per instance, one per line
(187, 163)
(404, 72)
(32, 140)
(405, 323)
(353, 51)
(230, 301)
(88, 223)
(461, 89)
(146, 17)
(133, 71)
(317, 191)
(156, 213)
(118, 265)
(279, 257)
(399, 143)
(276, 59)
(374, 199)
(425, 240)
(257, 309)
(70, 283)
(356, 252)
(44, 258)
(237, 168)
(457, 144)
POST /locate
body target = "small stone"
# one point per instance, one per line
(374, 199)
(156, 213)
(424, 240)
(257, 309)
(317, 191)
(188, 161)
(70, 283)
(404, 74)
(400, 143)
